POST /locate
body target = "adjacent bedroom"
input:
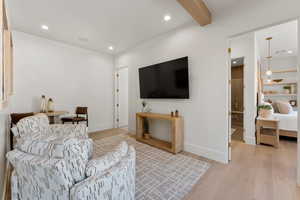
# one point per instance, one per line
(277, 50)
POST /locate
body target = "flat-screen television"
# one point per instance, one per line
(167, 80)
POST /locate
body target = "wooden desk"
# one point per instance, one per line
(267, 131)
(176, 144)
(54, 114)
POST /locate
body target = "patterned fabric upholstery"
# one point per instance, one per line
(33, 127)
(45, 178)
(38, 137)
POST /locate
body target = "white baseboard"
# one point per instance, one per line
(100, 127)
(250, 140)
(207, 153)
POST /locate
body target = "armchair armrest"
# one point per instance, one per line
(72, 130)
(115, 183)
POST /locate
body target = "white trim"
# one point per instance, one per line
(100, 127)
(298, 98)
(250, 140)
(207, 153)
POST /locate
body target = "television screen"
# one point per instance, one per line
(168, 80)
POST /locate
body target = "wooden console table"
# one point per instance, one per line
(176, 144)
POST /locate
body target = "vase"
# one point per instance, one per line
(43, 104)
(265, 113)
(50, 106)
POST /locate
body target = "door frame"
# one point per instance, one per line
(228, 53)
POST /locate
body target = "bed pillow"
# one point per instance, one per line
(275, 107)
(284, 107)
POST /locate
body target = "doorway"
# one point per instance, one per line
(121, 111)
(237, 99)
(271, 75)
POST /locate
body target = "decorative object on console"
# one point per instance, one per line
(43, 108)
(265, 110)
(145, 108)
(172, 114)
(176, 113)
(50, 106)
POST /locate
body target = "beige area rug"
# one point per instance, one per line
(159, 175)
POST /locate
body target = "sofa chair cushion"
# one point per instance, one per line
(33, 127)
(99, 165)
(38, 177)
(76, 152)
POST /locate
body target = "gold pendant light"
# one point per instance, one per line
(269, 57)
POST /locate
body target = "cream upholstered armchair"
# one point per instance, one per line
(36, 129)
(64, 172)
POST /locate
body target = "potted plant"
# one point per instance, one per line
(287, 89)
(265, 110)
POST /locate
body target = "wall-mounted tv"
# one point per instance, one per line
(167, 80)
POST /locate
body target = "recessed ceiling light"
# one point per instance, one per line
(290, 51)
(45, 27)
(167, 18)
(111, 48)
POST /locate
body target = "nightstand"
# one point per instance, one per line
(267, 131)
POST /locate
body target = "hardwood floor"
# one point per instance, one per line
(255, 173)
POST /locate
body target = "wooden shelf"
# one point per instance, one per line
(280, 83)
(284, 95)
(167, 146)
(283, 71)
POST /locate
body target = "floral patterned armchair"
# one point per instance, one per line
(64, 172)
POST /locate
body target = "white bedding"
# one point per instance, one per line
(287, 122)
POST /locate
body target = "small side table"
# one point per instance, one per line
(267, 131)
(52, 115)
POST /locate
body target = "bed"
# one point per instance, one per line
(288, 124)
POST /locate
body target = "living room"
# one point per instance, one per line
(70, 52)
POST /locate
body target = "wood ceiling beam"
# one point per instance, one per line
(198, 10)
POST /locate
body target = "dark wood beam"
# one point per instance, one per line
(198, 10)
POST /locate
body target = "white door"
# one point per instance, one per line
(122, 97)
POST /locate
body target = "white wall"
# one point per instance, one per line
(4, 144)
(206, 113)
(71, 76)
(244, 46)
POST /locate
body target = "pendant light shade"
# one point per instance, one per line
(269, 71)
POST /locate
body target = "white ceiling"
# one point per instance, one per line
(284, 39)
(97, 24)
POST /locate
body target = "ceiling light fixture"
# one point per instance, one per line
(290, 52)
(167, 18)
(234, 62)
(45, 27)
(111, 48)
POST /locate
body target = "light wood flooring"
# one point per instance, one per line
(255, 173)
